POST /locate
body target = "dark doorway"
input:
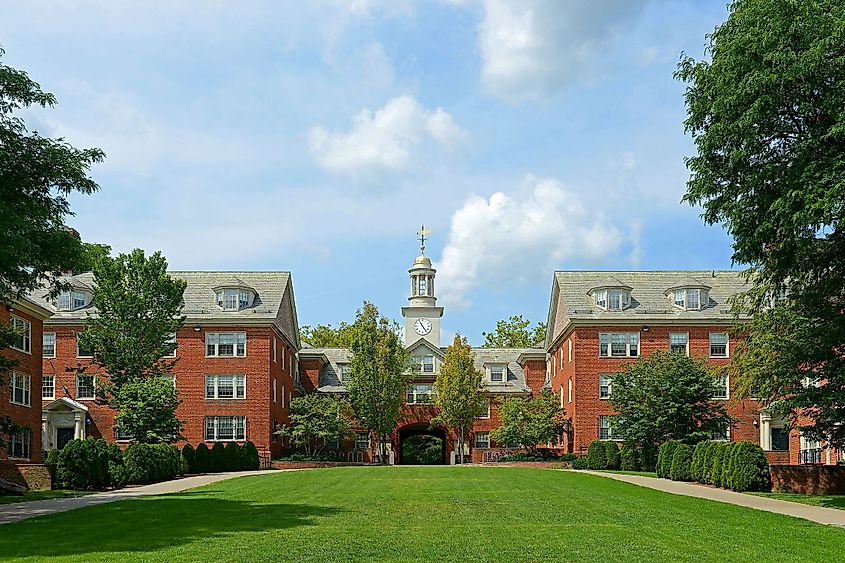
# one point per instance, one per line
(63, 436)
(421, 445)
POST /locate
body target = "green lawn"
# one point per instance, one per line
(828, 501)
(423, 513)
(41, 495)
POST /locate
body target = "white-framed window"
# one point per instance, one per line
(688, 299)
(172, 340)
(569, 350)
(20, 388)
(362, 440)
(233, 299)
(569, 391)
(345, 372)
(605, 386)
(722, 435)
(20, 445)
(121, 435)
(722, 390)
(275, 346)
(71, 300)
(420, 394)
(679, 343)
(226, 386)
(485, 408)
(606, 431)
(225, 344)
(284, 351)
(275, 391)
(85, 386)
(283, 396)
(23, 338)
(619, 344)
(426, 364)
(497, 373)
(225, 428)
(482, 440)
(719, 345)
(612, 299)
(81, 350)
(601, 298)
(48, 344)
(48, 387)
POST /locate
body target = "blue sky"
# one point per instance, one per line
(315, 137)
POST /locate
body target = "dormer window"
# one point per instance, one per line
(234, 299)
(72, 300)
(688, 299)
(612, 299)
(496, 373)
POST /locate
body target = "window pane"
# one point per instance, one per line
(240, 387)
(693, 298)
(604, 386)
(240, 427)
(601, 298)
(225, 387)
(47, 389)
(497, 373)
(679, 298)
(209, 428)
(49, 344)
(482, 439)
(718, 344)
(225, 428)
(241, 336)
(678, 342)
(209, 387)
(614, 300)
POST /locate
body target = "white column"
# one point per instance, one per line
(78, 429)
(765, 432)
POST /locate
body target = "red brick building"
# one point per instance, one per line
(21, 399)
(236, 363)
(601, 321)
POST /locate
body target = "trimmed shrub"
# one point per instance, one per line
(150, 463)
(202, 459)
(251, 462)
(611, 452)
(628, 458)
(83, 464)
(233, 459)
(117, 471)
(647, 457)
(664, 458)
(718, 456)
(728, 464)
(188, 455)
(580, 463)
(597, 455)
(750, 468)
(707, 461)
(697, 466)
(217, 459)
(681, 463)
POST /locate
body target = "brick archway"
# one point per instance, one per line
(413, 430)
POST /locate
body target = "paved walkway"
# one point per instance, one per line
(25, 510)
(822, 515)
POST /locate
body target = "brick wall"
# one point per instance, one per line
(33, 476)
(808, 479)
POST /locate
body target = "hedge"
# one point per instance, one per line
(707, 461)
(202, 459)
(234, 459)
(719, 452)
(250, 456)
(750, 468)
(150, 463)
(189, 456)
(628, 458)
(597, 455)
(217, 461)
(83, 465)
(647, 457)
(664, 457)
(612, 457)
(697, 465)
(580, 463)
(681, 463)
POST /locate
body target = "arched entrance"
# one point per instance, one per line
(422, 445)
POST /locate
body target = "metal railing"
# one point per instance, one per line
(490, 456)
(810, 456)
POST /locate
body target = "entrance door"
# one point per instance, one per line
(63, 436)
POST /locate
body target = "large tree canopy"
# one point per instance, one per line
(515, 332)
(767, 115)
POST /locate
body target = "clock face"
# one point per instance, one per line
(422, 326)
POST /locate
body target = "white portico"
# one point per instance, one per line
(62, 420)
(422, 315)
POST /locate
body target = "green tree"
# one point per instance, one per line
(457, 390)
(530, 422)
(515, 332)
(766, 115)
(666, 396)
(37, 175)
(138, 312)
(379, 374)
(327, 336)
(315, 420)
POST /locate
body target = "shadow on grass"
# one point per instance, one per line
(149, 525)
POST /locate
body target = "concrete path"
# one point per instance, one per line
(822, 515)
(25, 510)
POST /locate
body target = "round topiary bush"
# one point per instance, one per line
(681, 463)
(612, 457)
(233, 457)
(628, 458)
(251, 462)
(202, 459)
(750, 468)
(83, 464)
(189, 455)
(597, 455)
(217, 462)
(664, 458)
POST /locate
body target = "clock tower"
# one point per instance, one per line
(422, 315)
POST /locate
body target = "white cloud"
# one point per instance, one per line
(384, 140)
(520, 237)
(533, 48)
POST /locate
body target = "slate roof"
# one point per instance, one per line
(330, 373)
(570, 300)
(274, 300)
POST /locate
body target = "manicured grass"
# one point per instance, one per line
(41, 495)
(421, 513)
(643, 473)
(827, 501)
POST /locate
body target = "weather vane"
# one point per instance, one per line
(422, 232)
